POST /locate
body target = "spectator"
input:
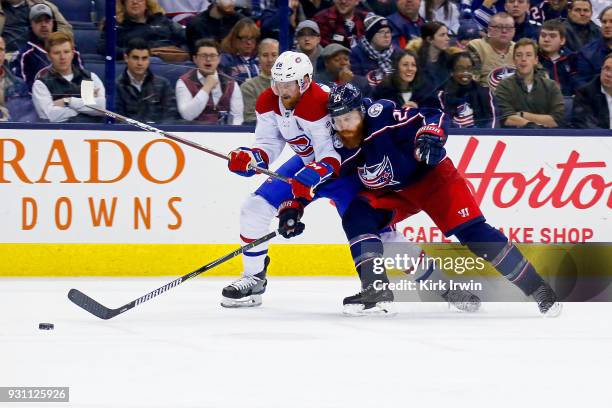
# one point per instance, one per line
(432, 56)
(33, 57)
(593, 102)
(342, 23)
(382, 8)
(444, 11)
(270, 20)
(57, 88)
(141, 95)
(15, 21)
(205, 96)
(591, 56)
(529, 98)
(406, 22)
(580, 29)
(555, 58)
(308, 38)
(215, 22)
(183, 10)
(492, 55)
(312, 7)
(524, 27)
(373, 54)
(252, 88)
(405, 86)
(239, 57)
(466, 102)
(12, 89)
(468, 31)
(145, 19)
(337, 69)
(549, 10)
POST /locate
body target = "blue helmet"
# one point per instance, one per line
(343, 99)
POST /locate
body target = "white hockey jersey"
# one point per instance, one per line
(307, 128)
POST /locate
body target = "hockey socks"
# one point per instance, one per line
(490, 244)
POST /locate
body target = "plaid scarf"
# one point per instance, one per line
(383, 58)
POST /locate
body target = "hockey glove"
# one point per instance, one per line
(289, 214)
(240, 159)
(429, 144)
(309, 177)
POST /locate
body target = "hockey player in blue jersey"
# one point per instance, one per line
(305, 125)
(403, 165)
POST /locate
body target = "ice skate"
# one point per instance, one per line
(462, 300)
(547, 302)
(369, 302)
(246, 291)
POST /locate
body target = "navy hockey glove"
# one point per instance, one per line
(309, 177)
(429, 144)
(240, 159)
(289, 214)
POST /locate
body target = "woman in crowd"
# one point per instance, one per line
(404, 85)
(467, 103)
(432, 56)
(146, 19)
(239, 58)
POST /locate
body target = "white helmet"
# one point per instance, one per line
(292, 66)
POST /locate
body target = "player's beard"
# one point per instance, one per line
(351, 139)
(289, 102)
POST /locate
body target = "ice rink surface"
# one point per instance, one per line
(182, 349)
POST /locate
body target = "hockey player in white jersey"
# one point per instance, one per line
(294, 111)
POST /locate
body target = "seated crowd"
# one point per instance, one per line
(486, 63)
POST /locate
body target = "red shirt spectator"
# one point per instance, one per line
(342, 23)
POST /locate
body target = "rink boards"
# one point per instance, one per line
(120, 203)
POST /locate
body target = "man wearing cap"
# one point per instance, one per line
(468, 31)
(308, 38)
(14, 21)
(33, 57)
(337, 69)
(342, 23)
(406, 22)
(373, 55)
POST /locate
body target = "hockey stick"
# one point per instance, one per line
(87, 94)
(85, 302)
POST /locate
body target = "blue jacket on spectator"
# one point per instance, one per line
(403, 29)
(270, 22)
(32, 59)
(591, 107)
(589, 61)
(16, 98)
(239, 67)
(527, 29)
(562, 71)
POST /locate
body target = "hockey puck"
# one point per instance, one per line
(45, 326)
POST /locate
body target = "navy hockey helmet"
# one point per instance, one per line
(343, 99)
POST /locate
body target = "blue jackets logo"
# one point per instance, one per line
(378, 175)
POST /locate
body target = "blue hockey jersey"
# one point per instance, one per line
(385, 159)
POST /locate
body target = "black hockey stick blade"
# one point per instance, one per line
(97, 309)
(82, 300)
